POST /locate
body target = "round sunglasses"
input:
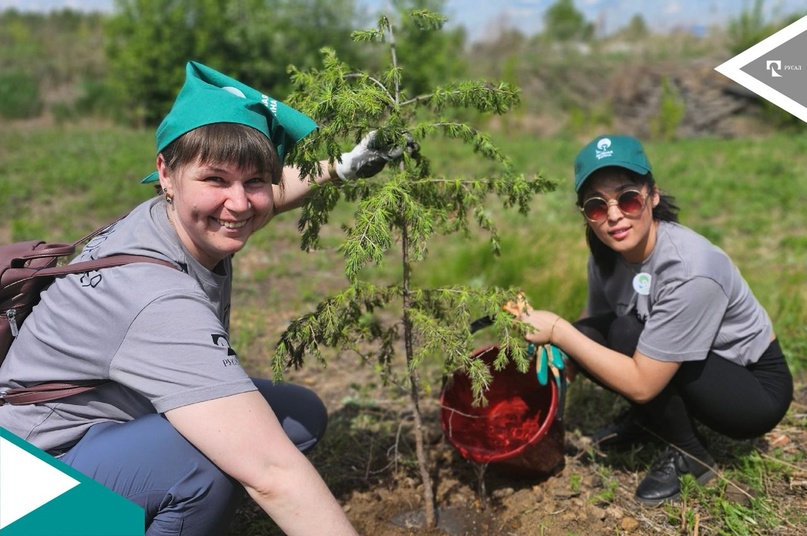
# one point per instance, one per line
(630, 202)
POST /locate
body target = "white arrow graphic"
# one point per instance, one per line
(26, 483)
(733, 68)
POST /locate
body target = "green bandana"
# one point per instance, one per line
(604, 151)
(210, 97)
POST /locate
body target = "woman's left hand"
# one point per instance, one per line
(543, 322)
(370, 156)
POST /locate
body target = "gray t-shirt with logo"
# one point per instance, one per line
(160, 335)
(690, 295)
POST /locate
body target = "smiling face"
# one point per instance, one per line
(220, 185)
(216, 207)
(633, 236)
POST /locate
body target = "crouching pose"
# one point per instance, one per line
(179, 427)
(670, 323)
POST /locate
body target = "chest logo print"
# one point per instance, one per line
(641, 283)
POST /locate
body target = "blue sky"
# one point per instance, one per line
(481, 17)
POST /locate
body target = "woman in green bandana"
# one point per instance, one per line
(180, 428)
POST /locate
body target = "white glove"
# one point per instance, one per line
(367, 158)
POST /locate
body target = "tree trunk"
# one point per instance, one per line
(414, 392)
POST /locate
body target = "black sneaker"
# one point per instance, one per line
(628, 429)
(662, 483)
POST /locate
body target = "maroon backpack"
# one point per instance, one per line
(26, 268)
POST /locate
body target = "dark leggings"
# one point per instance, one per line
(736, 401)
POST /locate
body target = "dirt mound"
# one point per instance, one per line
(368, 460)
(710, 103)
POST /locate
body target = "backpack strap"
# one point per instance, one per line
(97, 264)
(93, 234)
(47, 392)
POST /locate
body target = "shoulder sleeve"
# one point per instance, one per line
(176, 352)
(684, 322)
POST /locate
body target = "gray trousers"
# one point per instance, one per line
(182, 492)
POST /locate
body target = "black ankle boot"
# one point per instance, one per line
(662, 483)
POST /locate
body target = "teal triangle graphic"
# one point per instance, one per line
(85, 509)
(28, 482)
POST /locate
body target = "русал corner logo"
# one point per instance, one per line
(775, 69)
(774, 66)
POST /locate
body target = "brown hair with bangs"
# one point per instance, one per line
(225, 143)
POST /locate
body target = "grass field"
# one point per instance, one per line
(745, 195)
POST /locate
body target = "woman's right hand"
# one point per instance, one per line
(242, 436)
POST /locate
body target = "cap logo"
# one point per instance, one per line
(603, 149)
(234, 91)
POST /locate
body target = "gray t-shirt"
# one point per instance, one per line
(691, 296)
(160, 335)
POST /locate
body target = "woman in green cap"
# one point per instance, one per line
(670, 324)
(180, 428)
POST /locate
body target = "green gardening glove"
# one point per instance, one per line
(550, 356)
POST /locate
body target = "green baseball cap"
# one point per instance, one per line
(604, 151)
(211, 97)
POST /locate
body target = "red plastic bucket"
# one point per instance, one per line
(517, 429)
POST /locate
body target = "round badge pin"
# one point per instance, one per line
(641, 283)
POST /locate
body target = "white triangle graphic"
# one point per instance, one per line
(733, 68)
(26, 483)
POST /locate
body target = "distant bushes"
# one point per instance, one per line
(672, 109)
(94, 99)
(20, 97)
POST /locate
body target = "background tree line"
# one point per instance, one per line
(127, 65)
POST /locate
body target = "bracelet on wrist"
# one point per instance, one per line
(552, 330)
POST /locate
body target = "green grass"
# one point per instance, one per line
(745, 195)
(60, 182)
